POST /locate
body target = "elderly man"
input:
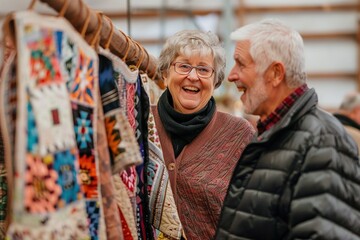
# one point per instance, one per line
(300, 178)
(349, 115)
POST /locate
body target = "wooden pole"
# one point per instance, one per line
(76, 13)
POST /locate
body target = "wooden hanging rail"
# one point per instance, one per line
(76, 14)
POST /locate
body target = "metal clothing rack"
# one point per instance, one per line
(79, 14)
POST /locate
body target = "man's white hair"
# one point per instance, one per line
(271, 40)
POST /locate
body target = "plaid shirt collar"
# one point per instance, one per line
(281, 110)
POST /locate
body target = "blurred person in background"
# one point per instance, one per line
(201, 145)
(300, 179)
(349, 115)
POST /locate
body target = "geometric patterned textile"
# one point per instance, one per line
(134, 178)
(141, 114)
(111, 215)
(124, 149)
(126, 209)
(126, 80)
(153, 91)
(8, 112)
(54, 176)
(153, 135)
(163, 213)
(122, 145)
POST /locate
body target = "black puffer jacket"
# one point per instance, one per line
(298, 180)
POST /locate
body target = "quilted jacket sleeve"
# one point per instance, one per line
(326, 197)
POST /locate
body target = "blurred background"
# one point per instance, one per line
(330, 28)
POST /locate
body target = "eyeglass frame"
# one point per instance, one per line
(192, 67)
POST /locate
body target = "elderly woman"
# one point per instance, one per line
(200, 144)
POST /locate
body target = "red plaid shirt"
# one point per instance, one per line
(281, 110)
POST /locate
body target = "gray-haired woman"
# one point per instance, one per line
(201, 145)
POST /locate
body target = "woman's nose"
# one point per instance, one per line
(193, 74)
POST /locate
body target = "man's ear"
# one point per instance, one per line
(276, 73)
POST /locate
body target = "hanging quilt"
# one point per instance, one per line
(123, 147)
(111, 216)
(163, 212)
(8, 76)
(155, 206)
(133, 177)
(54, 165)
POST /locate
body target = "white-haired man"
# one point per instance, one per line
(300, 179)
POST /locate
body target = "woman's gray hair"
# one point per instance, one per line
(271, 40)
(185, 42)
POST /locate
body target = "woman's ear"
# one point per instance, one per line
(164, 75)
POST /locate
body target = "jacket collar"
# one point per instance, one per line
(303, 105)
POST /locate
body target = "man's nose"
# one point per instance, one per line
(232, 75)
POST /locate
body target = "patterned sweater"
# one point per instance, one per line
(199, 176)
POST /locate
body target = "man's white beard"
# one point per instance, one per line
(255, 96)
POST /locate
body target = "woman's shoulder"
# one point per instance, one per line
(230, 120)
(230, 117)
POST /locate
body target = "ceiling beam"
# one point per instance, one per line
(177, 12)
(333, 75)
(173, 12)
(304, 8)
(329, 35)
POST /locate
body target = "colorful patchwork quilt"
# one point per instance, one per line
(49, 110)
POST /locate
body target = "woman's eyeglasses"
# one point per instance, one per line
(201, 71)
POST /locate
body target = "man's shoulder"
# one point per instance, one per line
(318, 120)
(327, 131)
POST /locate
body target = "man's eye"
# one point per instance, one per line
(240, 64)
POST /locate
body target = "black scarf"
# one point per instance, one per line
(183, 128)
